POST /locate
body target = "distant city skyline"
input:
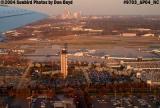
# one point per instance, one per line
(97, 7)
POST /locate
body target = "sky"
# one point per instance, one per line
(97, 7)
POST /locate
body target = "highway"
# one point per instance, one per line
(23, 79)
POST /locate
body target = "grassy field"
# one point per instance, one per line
(109, 41)
(96, 42)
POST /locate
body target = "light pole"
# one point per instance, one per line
(149, 82)
(30, 101)
(115, 94)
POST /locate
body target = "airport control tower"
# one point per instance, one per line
(64, 65)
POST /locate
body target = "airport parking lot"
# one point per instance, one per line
(149, 101)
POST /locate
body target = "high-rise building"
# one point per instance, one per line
(77, 15)
(67, 14)
(64, 65)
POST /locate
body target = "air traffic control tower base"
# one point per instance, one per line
(64, 65)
